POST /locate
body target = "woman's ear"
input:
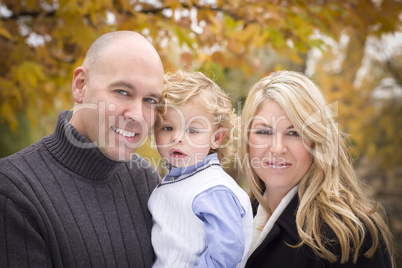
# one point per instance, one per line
(78, 86)
(218, 137)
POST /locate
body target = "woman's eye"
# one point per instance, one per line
(167, 128)
(150, 100)
(264, 132)
(191, 130)
(293, 133)
(122, 92)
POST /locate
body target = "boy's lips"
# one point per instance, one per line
(175, 153)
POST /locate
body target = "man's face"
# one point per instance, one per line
(119, 105)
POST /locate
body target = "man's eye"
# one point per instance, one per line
(150, 100)
(191, 130)
(122, 92)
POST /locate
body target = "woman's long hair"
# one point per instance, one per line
(330, 192)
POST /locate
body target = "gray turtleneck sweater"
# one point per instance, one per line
(66, 206)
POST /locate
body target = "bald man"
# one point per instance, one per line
(78, 197)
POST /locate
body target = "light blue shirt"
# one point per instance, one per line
(221, 212)
(179, 171)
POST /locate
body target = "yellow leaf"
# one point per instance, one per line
(295, 57)
(5, 33)
(8, 114)
(32, 115)
(249, 32)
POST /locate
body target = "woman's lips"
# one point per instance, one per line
(277, 165)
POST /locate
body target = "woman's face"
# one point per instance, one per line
(278, 154)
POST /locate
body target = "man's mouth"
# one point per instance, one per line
(123, 132)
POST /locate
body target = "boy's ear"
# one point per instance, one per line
(218, 137)
(78, 86)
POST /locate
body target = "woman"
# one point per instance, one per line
(313, 210)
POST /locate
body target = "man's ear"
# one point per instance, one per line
(80, 79)
(218, 137)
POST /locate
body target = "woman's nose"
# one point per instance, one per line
(278, 145)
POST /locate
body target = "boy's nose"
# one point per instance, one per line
(177, 137)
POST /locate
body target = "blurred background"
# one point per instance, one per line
(351, 49)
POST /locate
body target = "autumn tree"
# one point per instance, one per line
(42, 41)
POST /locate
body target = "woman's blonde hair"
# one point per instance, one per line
(182, 87)
(330, 192)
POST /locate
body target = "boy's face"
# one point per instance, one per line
(186, 135)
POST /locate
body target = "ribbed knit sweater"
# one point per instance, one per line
(66, 206)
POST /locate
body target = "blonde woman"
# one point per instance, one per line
(313, 211)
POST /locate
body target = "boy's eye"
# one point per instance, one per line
(122, 92)
(150, 100)
(191, 130)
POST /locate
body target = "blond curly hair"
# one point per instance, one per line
(181, 87)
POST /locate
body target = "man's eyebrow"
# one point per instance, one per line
(122, 84)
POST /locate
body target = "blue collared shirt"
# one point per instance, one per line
(222, 213)
(179, 171)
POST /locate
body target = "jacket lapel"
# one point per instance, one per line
(286, 221)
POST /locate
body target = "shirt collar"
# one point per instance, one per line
(179, 171)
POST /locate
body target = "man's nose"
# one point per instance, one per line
(134, 112)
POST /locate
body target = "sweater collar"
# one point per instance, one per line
(75, 152)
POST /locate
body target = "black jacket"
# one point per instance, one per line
(276, 251)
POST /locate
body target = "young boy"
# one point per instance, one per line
(201, 217)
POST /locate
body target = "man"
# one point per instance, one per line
(78, 197)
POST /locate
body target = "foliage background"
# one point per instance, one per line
(351, 49)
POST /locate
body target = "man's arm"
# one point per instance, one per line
(21, 245)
